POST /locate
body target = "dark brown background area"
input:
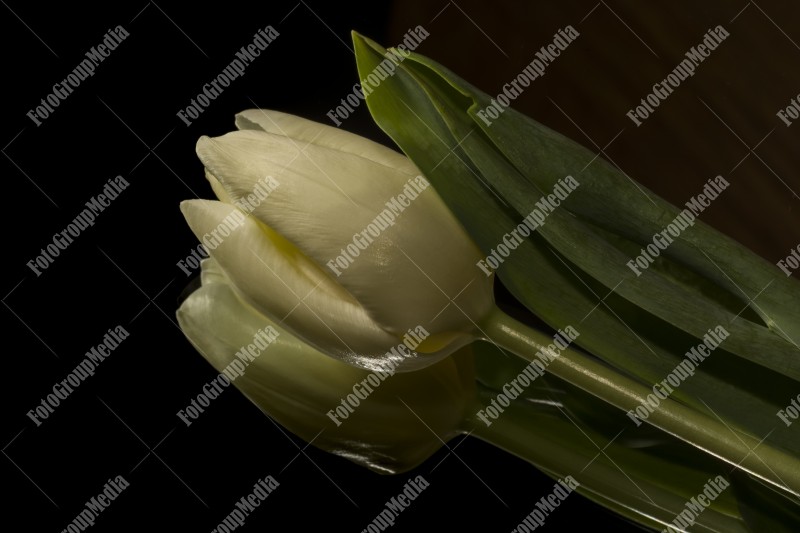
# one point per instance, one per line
(123, 270)
(706, 127)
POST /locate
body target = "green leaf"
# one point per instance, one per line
(763, 508)
(536, 274)
(580, 242)
(612, 200)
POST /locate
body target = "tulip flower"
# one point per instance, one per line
(340, 242)
(350, 250)
(340, 246)
(297, 385)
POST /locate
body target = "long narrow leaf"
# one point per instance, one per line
(683, 307)
(538, 275)
(612, 200)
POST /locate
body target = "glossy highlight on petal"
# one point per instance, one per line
(281, 282)
(297, 385)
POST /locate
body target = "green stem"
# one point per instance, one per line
(698, 429)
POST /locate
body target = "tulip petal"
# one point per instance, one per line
(297, 385)
(305, 132)
(419, 271)
(281, 282)
(219, 191)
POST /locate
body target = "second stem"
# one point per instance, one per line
(713, 436)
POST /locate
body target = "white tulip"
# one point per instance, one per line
(413, 281)
(297, 385)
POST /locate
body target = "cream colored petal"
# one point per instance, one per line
(297, 385)
(304, 131)
(219, 191)
(277, 279)
(407, 273)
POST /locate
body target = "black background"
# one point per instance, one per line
(122, 121)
